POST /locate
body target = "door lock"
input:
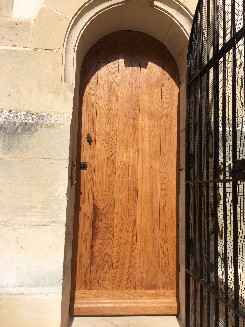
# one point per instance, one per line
(83, 165)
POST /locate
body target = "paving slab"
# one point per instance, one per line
(130, 321)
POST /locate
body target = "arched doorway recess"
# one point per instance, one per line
(170, 23)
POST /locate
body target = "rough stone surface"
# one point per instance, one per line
(14, 33)
(34, 135)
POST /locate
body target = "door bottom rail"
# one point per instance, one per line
(125, 302)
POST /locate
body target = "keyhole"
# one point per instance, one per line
(89, 139)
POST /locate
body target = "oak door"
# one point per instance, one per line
(124, 249)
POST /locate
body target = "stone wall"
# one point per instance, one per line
(35, 117)
(38, 107)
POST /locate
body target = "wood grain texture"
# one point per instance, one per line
(125, 230)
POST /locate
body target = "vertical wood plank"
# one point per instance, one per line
(148, 176)
(124, 250)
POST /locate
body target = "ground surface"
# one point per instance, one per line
(137, 321)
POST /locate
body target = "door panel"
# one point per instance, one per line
(124, 248)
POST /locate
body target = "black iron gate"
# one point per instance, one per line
(215, 166)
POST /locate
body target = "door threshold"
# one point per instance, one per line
(120, 303)
(125, 321)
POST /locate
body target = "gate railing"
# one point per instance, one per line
(215, 166)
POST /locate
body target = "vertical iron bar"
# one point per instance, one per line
(207, 166)
(216, 156)
(200, 211)
(194, 243)
(200, 172)
(224, 167)
(187, 196)
(234, 157)
(187, 261)
(208, 30)
(207, 196)
(195, 172)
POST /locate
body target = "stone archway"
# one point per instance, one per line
(168, 21)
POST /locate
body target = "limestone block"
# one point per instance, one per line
(145, 19)
(30, 311)
(190, 5)
(175, 40)
(32, 81)
(14, 33)
(31, 259)
(33, 191)
(67, 7)
(182, 64)
(53, 27)
(26, 8)
(34, 135)
(6, 8)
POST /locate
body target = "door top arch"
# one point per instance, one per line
(82, 26)
(143, 49)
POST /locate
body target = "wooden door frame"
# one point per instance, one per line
(76, 46)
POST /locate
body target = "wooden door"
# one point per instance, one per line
(124, 249)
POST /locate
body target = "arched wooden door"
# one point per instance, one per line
(124, 251)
